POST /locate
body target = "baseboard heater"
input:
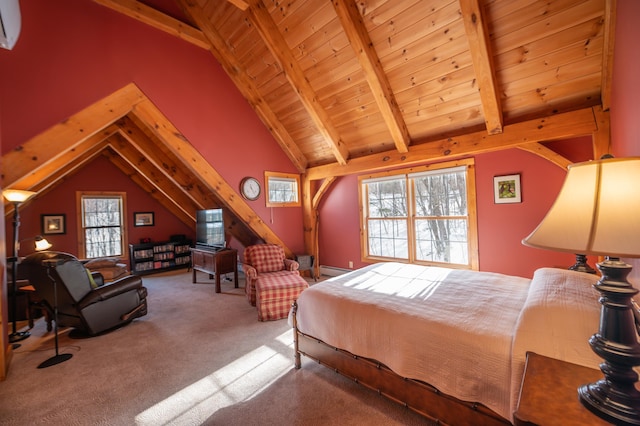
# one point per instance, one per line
(332, 271)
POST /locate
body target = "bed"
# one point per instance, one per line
(449, 344)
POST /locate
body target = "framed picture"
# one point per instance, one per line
(143, 219)
(53, 224)
(506, 189)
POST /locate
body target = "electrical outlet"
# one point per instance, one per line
(351, 264)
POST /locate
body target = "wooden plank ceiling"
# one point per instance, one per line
(351, 86)
(347, 79)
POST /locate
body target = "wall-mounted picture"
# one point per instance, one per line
(506, 189)
(53, 224)
(143, 219)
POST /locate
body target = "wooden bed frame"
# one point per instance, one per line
(413, 394)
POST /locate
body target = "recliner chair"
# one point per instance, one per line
(88, 306)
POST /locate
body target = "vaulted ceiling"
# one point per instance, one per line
(349, 86)
(344, 80)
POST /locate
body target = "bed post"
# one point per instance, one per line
(294, 311)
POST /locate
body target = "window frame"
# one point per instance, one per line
(80, 195)
(407, 174)
(295, 178)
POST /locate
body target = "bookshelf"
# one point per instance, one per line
(148, 258)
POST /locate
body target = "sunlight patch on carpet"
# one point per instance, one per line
(238, 381)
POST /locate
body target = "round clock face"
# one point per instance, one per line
(250, 188)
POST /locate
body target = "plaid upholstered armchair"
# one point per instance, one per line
(263, 260)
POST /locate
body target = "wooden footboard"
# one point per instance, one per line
(415, 395)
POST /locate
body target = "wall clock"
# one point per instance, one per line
(250, 188)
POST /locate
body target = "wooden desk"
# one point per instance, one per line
(215, 263)
(549, 394)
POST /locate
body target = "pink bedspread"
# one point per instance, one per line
(453, 329)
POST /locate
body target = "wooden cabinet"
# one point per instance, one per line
(549, 393)
(215, 263)
(148, 258)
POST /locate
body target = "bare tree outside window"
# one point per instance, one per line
(420, 216)
(387, 219)
(102, 223)
(441, 217)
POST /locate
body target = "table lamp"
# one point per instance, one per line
(598, 213)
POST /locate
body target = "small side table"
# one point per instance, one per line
(549, 394)
(33, 303)
(306, 264)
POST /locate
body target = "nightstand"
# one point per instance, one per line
(549, 393)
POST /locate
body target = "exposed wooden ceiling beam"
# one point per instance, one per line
(138, 159)
(48, 178)
(62, 161)
(193, 161)
(556, 127)
(607, 53)
(158, 20)
(182, 180)
(278, 47)
(245, 85)
(358, 36)
(68, 134)
(476, 29)
(546, 153)
(163, 159)
(117, 159)
(240, 4)
(601, 137)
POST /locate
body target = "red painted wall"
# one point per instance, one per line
(501, 227)
(92, 178)
(625, 90)
(72, 53)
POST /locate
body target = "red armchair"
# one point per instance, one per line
(265, 260)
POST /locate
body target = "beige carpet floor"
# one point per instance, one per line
(197, 358)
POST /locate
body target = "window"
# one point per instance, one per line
(101, 224)
(424, 215)
(283, 189)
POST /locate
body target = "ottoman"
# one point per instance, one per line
(276, 294)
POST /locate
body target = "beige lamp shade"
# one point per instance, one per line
(17, 195)
(42, 244)
(597, 211)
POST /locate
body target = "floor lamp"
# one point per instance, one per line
(598, 213)
(16, 197)
(58, 357)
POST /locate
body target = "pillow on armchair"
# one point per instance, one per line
(266, 258)
(108, 267)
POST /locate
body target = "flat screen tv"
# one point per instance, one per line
(210, 229)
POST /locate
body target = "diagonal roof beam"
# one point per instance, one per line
(60, 162)
(68, 134)
(355, 30)
(193, 161)
(143, 182)
(245, 85)
(607, 53)
(274, 40)
(150, 16)
(476, 29)
(53, 175)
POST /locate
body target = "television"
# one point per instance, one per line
(210, 229)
